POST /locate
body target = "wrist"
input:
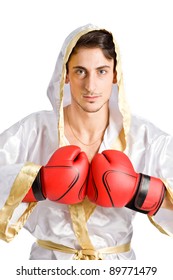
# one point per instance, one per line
(35, 193)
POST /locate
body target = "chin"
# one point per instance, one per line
(92, 106)
(95, 108)
(92, 111)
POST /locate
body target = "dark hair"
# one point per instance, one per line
(97, 39)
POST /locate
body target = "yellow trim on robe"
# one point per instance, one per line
(169, 194)
(84, 254)
(81, 212)
(20, 188)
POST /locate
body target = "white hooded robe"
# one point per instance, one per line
(28, 145)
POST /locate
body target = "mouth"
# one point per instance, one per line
(91, 97)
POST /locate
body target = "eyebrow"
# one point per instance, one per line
(97, 68)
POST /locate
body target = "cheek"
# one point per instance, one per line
(107, 86)
(75, 88)
(77, 85)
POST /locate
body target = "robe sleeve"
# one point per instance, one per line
(16, 177)
(160, 159)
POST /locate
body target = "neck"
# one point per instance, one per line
(87, 127)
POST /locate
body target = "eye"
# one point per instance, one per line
(80, 72)
(102, 71)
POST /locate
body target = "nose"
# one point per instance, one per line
(90, 83)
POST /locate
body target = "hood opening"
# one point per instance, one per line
(59, 93)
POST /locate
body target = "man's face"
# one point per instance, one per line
(90, 75)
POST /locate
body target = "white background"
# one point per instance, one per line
(31, 34)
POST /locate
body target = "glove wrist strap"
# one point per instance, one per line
(37, 188)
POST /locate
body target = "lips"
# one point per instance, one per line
(91, 96)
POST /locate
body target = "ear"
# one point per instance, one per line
(115, 77)
(66, 79)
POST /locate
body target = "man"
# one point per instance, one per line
(76, 177)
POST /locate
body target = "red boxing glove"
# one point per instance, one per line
(63, 179)
(114, 183)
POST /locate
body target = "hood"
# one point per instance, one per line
(59, 93)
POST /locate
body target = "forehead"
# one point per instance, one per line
(89, 56)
